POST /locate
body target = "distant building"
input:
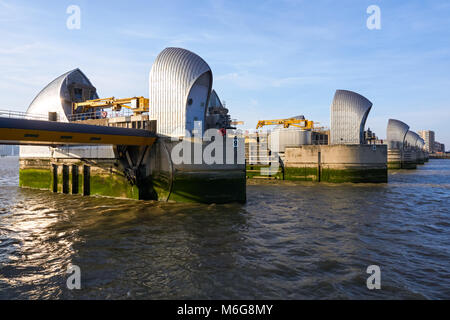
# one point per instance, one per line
(438, 147)
(428, 137)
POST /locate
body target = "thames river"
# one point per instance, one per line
(289, 241)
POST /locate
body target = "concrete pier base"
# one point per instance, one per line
(394, 159)
(420, 157)
(107, 172)
(195, 180)
(336, 163)
(101, 177)
(409, 159)
(405, 159)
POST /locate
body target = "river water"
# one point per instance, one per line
(289, 241)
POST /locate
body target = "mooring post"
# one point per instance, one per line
(318, 166)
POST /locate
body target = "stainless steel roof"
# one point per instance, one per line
(411, 139)
(395, 133)
(172, 77)
(55, 97)
(349, 112)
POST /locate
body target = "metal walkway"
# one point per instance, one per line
(52, 133)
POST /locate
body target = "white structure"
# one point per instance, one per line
(281, 138)
(179, 90)
(349, 112)
(396, 133)
(58, 95)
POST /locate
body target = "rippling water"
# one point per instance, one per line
(289, 241)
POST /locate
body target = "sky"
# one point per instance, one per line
(270, 59)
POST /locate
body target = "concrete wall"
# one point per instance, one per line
(406, 158)
(337, 163)
(157, 178)
(395, 158)
(101, 177)
(409, 159)
(197, 181)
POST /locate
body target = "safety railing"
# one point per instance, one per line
(22, 115)
(87, 116)
(100, 114)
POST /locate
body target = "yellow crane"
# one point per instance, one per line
(137, 104)
(300, 123)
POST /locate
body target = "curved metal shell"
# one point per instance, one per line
(395, 133)
(349, 112)
(417, 144)
(411, 139)
(179, 90)
(59, 94)
(57, 97)
(420, 143)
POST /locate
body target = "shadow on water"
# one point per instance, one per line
(289, 241)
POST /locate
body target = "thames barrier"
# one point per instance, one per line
(226, 155)
(180, 144)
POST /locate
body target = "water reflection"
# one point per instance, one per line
(289, 241)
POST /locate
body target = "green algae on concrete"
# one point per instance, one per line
(394, 165)
(257, 171)
(36, 178)
(336, 175)
(402, 165)
(112, 185)
(161, 186)
(354, 175)
(209, 187)
(301, 173)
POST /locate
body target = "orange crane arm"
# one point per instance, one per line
(300, 123)
(138, 104)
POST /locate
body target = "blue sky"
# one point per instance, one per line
(270, 59)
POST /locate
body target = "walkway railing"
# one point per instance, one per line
(75, 117)
(99, 115)
(22, 115)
